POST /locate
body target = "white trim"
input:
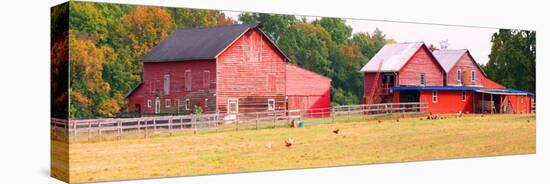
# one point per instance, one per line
(270, 108)
(188, 86)
(187, 103)
(473, 76)
(157, 105)
(149, 103)
(422, 79)
(459, 75)
(233, 100)
(205, 102)
(167, 103)
(434, 96)
(166, 84)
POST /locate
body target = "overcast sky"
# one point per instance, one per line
(477, 40)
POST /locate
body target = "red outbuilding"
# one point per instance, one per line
(223, 69)
(448, 81)
(307, 90)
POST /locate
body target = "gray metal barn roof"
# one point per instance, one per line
(448, 58)
(392, 57)
(196, 43)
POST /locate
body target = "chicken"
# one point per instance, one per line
(397, 120)
(336, 131)
(289, 142)
(379, 121)
(268, 145)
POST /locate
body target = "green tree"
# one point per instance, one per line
(512, 59)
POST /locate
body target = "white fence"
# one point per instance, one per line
(148, 126)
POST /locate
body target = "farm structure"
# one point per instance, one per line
(449, 81)
(307, 90)
(223, 69)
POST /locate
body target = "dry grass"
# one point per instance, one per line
(363, 142)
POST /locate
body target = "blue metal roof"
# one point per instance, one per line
(460, 88)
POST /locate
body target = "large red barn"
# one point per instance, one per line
(223, 69)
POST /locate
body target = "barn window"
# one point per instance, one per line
(463, 95)
(157, 105)
(422, 78)
(187, 80)
(149, 103)
(459, 75)
(434, 96)
(270, 104)
(167, 103)
(166, 84)
(206, 79)
(233, 106)
(473, 75)
(187, 104)
(206, 102)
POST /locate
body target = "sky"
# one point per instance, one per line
(476, 40)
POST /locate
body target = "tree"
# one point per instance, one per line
(273, 25)
(88, 90)
(337, 28)
(512, 59)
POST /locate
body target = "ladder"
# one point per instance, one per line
(376, 85)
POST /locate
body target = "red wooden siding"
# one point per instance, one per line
(465, 64)
(153, 86)
(448, 101)
(307, 90)
(369, 83)
(253, 71)
(421, 62)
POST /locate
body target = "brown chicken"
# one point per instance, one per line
(289, 142)
(336, 131)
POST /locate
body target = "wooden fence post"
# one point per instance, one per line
(89, 130)
(257, 117)
(99, 128)
(119, 124)
(74, 129)
(170, 126)
(194, 123)
(145, 128)
(154, 125)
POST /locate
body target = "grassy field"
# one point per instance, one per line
(359, 142)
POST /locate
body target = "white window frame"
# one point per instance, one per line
(167, 103)
(157, 105)
(149, 103)
(463, 95)
(205, 102)
(272, 106)
(166, 84)
(422, 79)
(187, 104)
(459, 75)
(473, 77)
(206, 79)
(434, 96)
(188, 80)
(236, 102)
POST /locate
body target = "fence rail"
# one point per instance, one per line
(148, 126)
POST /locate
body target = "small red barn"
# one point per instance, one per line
(307, 90)
(401, 64)
(448, 81)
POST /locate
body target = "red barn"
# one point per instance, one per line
(223, 69)
(307, 90)
(449, 81)
(402, 64)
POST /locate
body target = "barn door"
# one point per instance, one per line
(157, 105)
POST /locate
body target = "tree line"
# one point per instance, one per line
(106, 41)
